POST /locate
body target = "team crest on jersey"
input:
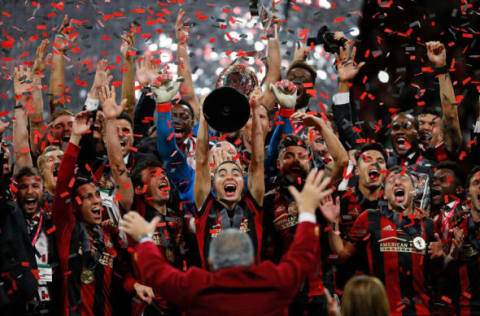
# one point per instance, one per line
(388, 228)
(244, 226)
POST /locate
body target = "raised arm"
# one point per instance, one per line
(256, 177)
(57, 75)
(23, 86)
(202, 183)
(62, 200)
(36, 115)
(184, 69)
(128, 76)
(450, 123)
(347, 70)
(274, 72)
(335, 148)
(111, 111)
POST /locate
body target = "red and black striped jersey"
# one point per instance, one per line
(395, 258)
(213, 217)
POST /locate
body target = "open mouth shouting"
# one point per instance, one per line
(230, 189)
(399, 196)
(30, 204)
(373, 174)
(97, 213)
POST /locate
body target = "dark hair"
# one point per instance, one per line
(472, 173)
(426, 110)
(125, 116)
(189, 106)
(372, 146)
(139, 167)
(81, 179)
(303, 65)
(457, 171)
(291, 140)
(26, 172)
(400, 169)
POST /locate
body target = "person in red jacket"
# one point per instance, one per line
(236, 286)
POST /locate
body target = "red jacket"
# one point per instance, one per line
(263, 289)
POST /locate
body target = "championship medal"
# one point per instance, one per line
(87, 276)
(419, 243)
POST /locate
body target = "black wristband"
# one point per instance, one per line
(441, 71)
(18, 106)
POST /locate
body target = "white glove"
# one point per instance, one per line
(285, 100)
(165, 93)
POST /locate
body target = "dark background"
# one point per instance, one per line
(392, 32)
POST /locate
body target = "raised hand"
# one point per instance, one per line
(146, 71)
(81, 123)
(285, 93)
(330, 208)
(128, 44)
(102, 78)
(437, 54)
(345, 63)
(316, 188)
(164, 88)
(22, 80)
(111, 110)
(40, 60)
(181, 30)
(62, 40)
(136, 226)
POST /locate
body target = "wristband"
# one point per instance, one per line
(441, 71)
(18, 106)
(144, 237)
(286, 112)
(91, 104)
(164, 107)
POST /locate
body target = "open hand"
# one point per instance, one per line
(81, 123)
(40, 60)
(102, 78)
(111, 110)
(345, 62)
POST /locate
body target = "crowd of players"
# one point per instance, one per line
(407, 211)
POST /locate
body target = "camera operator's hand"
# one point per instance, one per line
(437, 54)
(285, 93)
(345, 63)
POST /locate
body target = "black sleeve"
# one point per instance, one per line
(143, 116)
(343, 118)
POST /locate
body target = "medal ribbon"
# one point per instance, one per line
(39, 228)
